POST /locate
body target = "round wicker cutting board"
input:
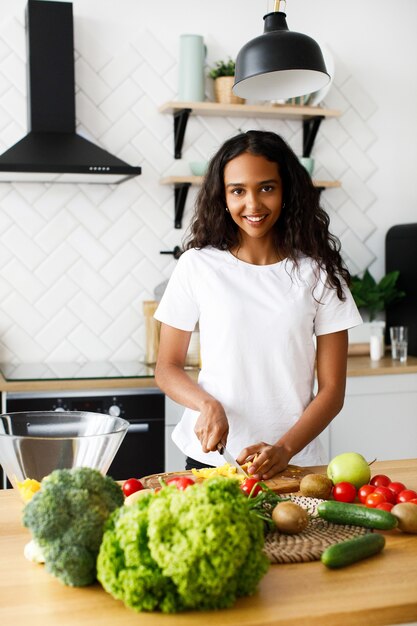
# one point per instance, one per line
(309, 544)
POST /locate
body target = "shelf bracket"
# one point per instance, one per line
(180, 124)
(310, 129)
(181, 192)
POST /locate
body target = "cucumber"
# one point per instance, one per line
(352, 550)
(357, 515)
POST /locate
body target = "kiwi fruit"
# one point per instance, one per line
(316, 486)
(406, 514)
(289, 517)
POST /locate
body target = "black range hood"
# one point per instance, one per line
(52, 151)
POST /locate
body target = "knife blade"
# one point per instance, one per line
(229, 459)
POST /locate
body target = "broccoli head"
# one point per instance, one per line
(200, 548)
(66, 518)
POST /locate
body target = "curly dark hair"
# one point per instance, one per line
(303, 226)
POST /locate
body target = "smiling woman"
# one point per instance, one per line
(264, 279)
(253, 189)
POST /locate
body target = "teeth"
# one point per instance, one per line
(253, 218)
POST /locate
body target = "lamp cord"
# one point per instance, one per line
(277, 5)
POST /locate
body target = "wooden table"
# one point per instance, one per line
(379, 590)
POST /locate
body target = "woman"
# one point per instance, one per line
(264, 279)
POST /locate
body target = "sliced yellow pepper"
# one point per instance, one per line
(27, 488)
(224, 470)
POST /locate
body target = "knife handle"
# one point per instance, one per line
(220, 447)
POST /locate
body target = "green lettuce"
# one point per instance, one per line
(175, 550)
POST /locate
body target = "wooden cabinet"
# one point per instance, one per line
(311, 118)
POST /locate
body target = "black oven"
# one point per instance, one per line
(142, 451)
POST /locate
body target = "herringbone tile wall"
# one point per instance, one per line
(76, 261)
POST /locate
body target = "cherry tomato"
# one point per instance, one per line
(373, 499)
(389, 495)
(385, 506)
(413, 500)
(406, 494)
(251, 487)
(344, 492)
(364, 491)
(131, 486)
(380, 480)
(181, 482)
(396, 487)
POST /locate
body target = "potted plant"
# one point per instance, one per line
(223, 74)
(373, 297)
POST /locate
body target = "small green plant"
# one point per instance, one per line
(373, 296)
(223, 68)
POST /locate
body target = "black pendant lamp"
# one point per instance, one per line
(279, 64)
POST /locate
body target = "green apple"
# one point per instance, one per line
(349, 467)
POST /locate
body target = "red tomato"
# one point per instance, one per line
(131, 486)
(396, 487)
(181, 482)
(413, 500)
(380, 480)
(344, 492)
(385, 506)
(251, 487)
(389, 495)
(364, 491)
(406, 494)
(373, 499)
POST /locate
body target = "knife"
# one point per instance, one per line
(229, 459)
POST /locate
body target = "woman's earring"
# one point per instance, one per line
(227, 210)
(283, 206)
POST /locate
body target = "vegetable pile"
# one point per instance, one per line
(66, 518)
(179, 549)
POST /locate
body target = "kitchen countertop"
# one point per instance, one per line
(356, 366)
(378, 590)
(363, 366)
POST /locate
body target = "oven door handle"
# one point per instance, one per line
(138, 428)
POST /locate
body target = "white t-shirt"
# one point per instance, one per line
(257, 335)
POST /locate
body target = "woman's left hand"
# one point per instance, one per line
(267, 459)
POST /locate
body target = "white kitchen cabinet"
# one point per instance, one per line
(378, 420)
(174, 458)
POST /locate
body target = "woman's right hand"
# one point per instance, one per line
(211, 426)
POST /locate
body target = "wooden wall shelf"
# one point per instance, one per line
(284, 111)
(197, 180)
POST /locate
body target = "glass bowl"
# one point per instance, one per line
(34, 443)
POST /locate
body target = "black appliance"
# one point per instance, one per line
(52, 151)
(401, 255)
(142, 451)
